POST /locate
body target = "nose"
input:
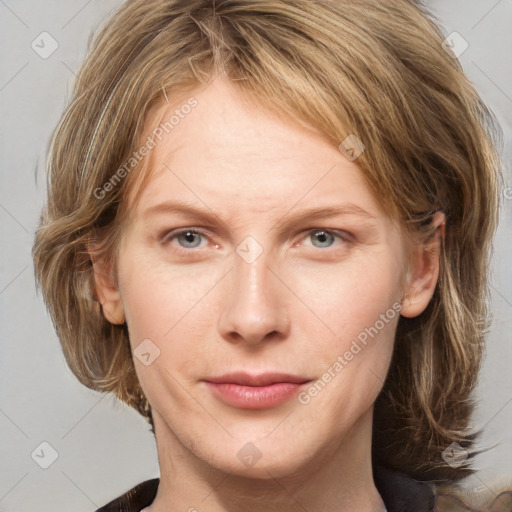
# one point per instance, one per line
(255, 306)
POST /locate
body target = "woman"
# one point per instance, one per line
(268, 231)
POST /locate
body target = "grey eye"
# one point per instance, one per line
(188, 238)
(323, 237)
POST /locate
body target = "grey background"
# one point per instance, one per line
(104, 447)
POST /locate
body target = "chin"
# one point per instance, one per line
(263, 459)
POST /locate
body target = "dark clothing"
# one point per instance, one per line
(399, 493)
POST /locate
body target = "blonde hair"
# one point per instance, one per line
(376, 69)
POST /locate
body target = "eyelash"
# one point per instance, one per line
(171, 235)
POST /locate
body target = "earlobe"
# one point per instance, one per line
(106, 292)
(424, 272)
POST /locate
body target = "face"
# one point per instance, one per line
(261, 284)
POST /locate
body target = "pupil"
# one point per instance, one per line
(322, 236)
(189, 236)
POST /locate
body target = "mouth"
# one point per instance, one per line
(255, 391)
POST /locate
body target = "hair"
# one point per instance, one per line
(374, 69)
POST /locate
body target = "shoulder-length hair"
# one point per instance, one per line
(375, 69)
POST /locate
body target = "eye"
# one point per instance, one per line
(188, 238)
(325, 238)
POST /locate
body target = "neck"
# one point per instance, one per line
(338, 479)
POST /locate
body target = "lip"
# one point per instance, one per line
(255, 391)
(257, 379)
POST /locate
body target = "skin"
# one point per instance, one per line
(295, 309)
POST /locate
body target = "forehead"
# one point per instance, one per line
(228, 152)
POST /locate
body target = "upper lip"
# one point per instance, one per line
(256, 379)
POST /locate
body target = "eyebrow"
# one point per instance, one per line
(301, 214)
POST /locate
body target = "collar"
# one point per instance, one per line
(399, 492)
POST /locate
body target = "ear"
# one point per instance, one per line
(424, 271)
(105, 290)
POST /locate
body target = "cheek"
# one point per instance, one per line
(149, 290)
(163, 306)
(168, 305)
(346, 299)
(174, 306)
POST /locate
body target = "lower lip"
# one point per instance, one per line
(254, 397)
